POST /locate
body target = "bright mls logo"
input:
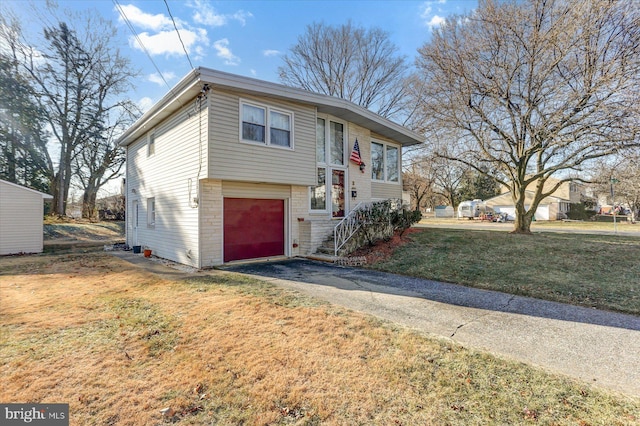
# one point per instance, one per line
(37, 414)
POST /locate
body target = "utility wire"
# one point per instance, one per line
(178, 32)
(135, 34)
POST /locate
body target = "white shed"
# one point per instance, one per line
(21, 219)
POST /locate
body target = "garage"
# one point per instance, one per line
(542, 213)
(253, 228)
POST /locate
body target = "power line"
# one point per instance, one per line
(135, 34)
(178, 32)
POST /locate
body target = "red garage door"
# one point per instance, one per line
(253, 228)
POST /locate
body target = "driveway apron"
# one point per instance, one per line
(602, 348)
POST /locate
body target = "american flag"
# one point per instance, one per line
(355, 154)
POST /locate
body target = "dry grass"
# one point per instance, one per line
(119, 344)
(82, 230)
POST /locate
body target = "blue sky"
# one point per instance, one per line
(242, 37)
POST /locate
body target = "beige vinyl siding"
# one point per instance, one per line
(232, 159)
(384, 191)
(171, 176)
(21, 220)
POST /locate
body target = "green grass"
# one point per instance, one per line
(599, 271)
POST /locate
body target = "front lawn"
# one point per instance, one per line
(599, 271)
(120, 344)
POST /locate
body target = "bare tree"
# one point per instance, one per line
(418, 180)
(352, 63)
(101, 159)
(534, 89)
(448, 179)
(628, 183)
(619, 179)
(77, 76)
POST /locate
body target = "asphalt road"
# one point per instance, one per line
(598, 347)
(624, 229)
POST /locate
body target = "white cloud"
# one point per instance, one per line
(426, 14)
(157, 78)
(161, 38)
(241, 16)
(436, 21)
(253, 72)
(271, 52)
(222, 47)
(206, 14)
(145, 104)
(165, 42)
(144, 20)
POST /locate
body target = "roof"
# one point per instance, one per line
(44, 196)
(189, 87)
(506, 196)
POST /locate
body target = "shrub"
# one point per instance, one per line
(580, 211)
(403, 218)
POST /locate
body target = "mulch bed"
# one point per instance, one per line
(383, 249)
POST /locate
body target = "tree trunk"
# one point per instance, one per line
(522, 223)
(89, 204)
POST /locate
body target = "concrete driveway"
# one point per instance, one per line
(601, 348)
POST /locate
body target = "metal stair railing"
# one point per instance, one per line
(348, 226)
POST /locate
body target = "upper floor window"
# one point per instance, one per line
(151, 144)
(385, 162)
(263, 124)
(330, 138)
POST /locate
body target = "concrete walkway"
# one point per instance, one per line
(598, 347)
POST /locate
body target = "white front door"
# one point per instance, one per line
(136, 210)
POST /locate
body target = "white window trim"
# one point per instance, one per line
(151, 142)
(267, 128)
(328, 166)
(384, 162)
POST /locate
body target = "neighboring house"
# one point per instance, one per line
(553, 207)
(227, 168)
(444, 211)
(21, 219)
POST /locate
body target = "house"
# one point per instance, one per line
(21, 219)
(226, 168)
(553, 207)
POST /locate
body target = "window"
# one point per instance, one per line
(385, 162)
(336, 134)
(151, 212)
(264, 125)
(280, 129)
(392, 163)
(327, 195)
(321, 141)
(377, 161)
(319, 191)
(253, 123)
(151, 145)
